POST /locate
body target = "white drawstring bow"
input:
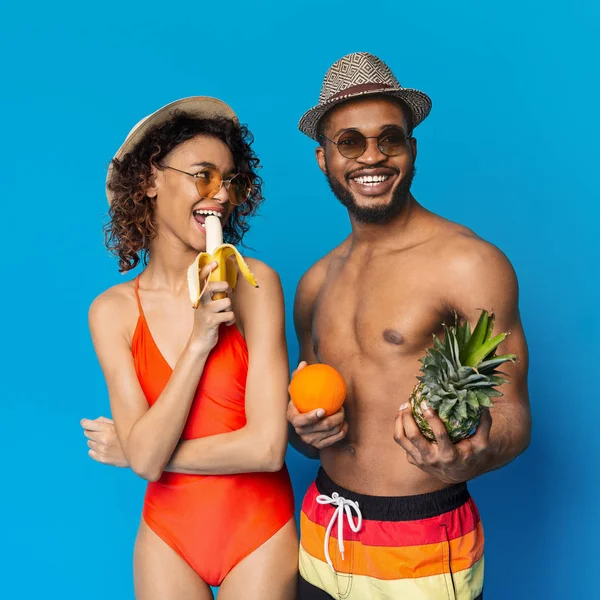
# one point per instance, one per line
(342, 506)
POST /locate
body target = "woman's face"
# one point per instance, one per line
(177, 200)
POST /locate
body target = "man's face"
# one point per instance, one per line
(373, 187)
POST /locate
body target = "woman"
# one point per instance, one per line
(199, 396)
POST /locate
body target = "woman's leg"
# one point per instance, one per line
(269, 573)
(161, 574)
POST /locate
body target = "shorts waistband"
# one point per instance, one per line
(399, 508)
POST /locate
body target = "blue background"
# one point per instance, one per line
(510, 150)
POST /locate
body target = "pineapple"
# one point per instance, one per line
(459, 377)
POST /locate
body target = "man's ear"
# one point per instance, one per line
(413, 148)
(320, 154)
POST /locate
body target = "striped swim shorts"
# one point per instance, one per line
(358, 547)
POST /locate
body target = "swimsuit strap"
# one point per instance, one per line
(136, 287)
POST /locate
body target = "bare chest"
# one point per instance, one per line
(376, 314)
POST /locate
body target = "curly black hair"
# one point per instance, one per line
(131, 226)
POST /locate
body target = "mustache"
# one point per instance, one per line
(367, 170)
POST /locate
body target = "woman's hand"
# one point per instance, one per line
(211, 313)
(103, 442)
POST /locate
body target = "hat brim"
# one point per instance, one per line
(418, 103)
(202, 107)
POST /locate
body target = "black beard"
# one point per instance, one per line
(374, 215)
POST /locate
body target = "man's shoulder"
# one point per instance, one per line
(314, 277)
(464, 253)
(312, 280)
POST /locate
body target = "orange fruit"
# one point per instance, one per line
(318, 386)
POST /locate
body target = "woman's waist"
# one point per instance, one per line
(247, 501)
(240, 483)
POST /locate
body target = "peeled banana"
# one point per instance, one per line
(227, 269)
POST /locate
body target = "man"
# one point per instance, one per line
(397, 503)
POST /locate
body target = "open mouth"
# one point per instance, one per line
(201, 214)
(371, 180)
(374, 183)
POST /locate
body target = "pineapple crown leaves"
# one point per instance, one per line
(459, 371)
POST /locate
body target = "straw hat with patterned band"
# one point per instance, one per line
(202, 107)
(356, 75)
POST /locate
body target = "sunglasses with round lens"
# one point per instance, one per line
(210, 180)
(352, 143)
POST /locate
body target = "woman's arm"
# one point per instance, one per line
(149, 435)
(260, 445)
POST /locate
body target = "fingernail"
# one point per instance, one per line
(403, 406)
(320, 413)
(425, 408)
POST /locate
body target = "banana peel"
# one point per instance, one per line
(228, 260)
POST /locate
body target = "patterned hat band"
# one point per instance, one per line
(362, 88)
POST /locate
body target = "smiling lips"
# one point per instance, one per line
(374, 182)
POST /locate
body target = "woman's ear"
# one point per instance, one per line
(152, 189)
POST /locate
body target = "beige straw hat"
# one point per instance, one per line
(196, 106)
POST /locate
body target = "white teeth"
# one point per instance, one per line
(207, 212)
(371, 179)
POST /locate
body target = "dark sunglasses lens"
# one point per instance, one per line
(208, 182)
(239, 189)
(351, 144)
(392, 142)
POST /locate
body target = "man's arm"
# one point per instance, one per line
(310, 432)
(480, 278)
(490, 281)
(304, 300)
